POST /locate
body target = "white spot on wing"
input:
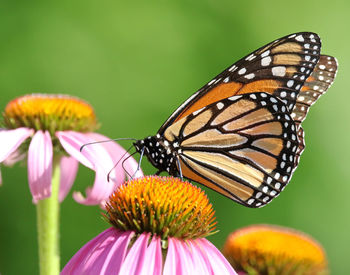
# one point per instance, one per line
(266, 61)
(279, 71)
(299, 38)
(220, 105)
(242, 71)
(266, 53)
(250, 76)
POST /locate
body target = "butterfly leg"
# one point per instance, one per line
(180, 171)
(138, 165)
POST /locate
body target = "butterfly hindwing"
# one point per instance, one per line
(243, 147)
(279, 68)
(316, 85)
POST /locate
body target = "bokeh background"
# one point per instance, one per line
(135, 62)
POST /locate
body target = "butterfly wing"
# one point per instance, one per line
(315, 85)
(260, 101)
(279, 68)
(243, 147)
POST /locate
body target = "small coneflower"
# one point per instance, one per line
(268, 249)
(159, 227)
(48, 131)
(58, 125)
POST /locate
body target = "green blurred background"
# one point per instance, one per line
(135, 62)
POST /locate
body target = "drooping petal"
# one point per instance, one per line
(198, 261)
(143, 258)
(72, 141)
(171, 261)
(178, 260)
(94, 157)
(102, 255)
(127, 164)
(40, 165)
(10, 140)
(213, 257)
(98, 157)
(185, 264)
(69, 169)
(14, 157)
(195, 257)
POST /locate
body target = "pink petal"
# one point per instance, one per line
(214, 258)
(185, 263)
(94, 157)
(143, 258)
(101, 158)
(178, 260)
(40, 165)
(171, 261)
(116, 151)
(71, 142)
(69, 169)
(102, 255)
(195, 257)
(10, 140)
(14, 157)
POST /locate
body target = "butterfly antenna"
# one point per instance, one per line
(115, 165)
(102, 141)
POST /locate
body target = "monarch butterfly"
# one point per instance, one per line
(241, 134)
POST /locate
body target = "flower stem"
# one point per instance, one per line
(48, 228)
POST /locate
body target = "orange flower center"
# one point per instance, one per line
(164, 206)
(267, 249)
(50, 112)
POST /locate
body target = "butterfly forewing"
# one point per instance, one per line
(243, 147)
(279, 68)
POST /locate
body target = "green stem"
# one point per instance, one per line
(48, 228)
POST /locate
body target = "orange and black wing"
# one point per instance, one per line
(279, 68)
(244, 147)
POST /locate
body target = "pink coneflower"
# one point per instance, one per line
(268, 249)
(159, 227)
(48, 131)
(58, 125)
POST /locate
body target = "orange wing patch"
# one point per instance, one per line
(213, 137)
(233, 187)
(266, 85)
(272, 145)
(234, 110)
(257, 116)
(267, 162)
(218, 93)
(270, 128)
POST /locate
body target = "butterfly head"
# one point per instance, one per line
(159, 152)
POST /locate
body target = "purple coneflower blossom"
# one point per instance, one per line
(159, 227)
(49, 129)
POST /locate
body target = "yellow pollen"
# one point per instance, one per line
(264, 247)
(50, 112)
(165, 206)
